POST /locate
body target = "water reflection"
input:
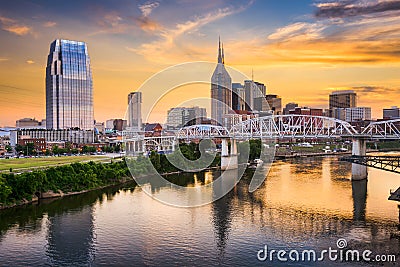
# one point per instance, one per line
(359, 189)
(303, 203)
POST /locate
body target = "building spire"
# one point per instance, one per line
(219, 50)
(223, 57)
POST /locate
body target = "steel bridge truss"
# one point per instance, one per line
(383, 129)
(387, 163)
(292, 126)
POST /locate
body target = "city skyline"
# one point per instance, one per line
(307, 46)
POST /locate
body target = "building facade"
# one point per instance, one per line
(69, 86)
(288, 107)
(28, 123)
(67, 135)
(221, 89)
(135, 111)
(341, 99)
(182, 116)
(116, 124)
(358, 114)
(391, 113)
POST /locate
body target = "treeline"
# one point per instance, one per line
(69, 178)
(384, 145)
(192, 152)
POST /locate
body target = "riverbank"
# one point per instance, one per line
(75, 178)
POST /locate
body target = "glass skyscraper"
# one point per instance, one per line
(69, 86)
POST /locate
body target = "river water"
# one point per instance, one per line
(304, 204)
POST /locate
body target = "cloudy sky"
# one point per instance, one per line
(302, 50)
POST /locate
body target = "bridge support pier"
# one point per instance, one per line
(359, 172)
(229, 160)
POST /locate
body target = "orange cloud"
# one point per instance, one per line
(13, 26)
(49, 24)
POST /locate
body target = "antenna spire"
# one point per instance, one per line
(223, 57)
(219, 50)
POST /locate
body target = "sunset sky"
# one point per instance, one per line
(302, 50)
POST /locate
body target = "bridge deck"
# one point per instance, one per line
(395, 195)
(387, 163)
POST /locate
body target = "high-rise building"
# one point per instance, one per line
(221, 88)
(341, 99)
(274, 104)
(238, 97)
(135, 110)
(254, 93)
(391, 113)
(69, 86)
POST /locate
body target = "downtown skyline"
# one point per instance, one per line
(301, 50)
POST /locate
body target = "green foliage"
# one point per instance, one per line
(255, 149)
(68, 178)
(5, 190)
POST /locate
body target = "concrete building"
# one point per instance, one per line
(238, 116)
(221, 88)
(238, 97)
(274, 103)
(99, 127)
(116, 124)
(288, 107)
(28, 123)
(183, 116)
(358, 114)
(341, 99)
(67, 135)
(135, 111)
(391, 113)
(69, 86)
(307, 111)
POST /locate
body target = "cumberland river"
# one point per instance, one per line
(306, 203)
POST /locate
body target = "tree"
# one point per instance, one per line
(8, 148)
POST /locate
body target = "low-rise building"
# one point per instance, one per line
(39, 144)
(238, 116)
(29, 123)
(49, 135)
(152, 129)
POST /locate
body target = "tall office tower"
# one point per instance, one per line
(238, 97)
(221, 88)
(69, 86)
(135, 110)
(341, 99)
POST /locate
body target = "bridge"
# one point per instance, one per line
(274, 127)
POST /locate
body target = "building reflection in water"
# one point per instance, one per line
(359, 189)
(222, 208)
(71, 237)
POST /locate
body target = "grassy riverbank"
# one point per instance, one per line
(76, 177)
(31, 163)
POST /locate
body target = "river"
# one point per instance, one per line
(305, 203)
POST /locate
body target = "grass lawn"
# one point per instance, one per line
(25, 163)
